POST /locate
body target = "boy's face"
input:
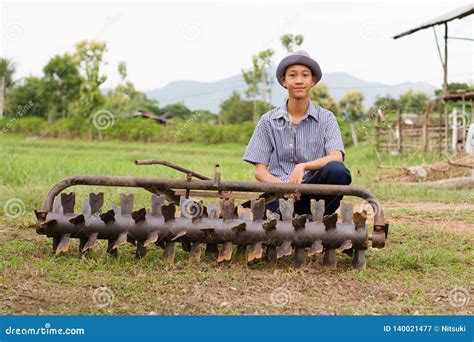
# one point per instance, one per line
(299, 80)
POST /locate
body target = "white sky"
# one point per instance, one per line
(164, 42)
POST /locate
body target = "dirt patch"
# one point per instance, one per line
(450, 222)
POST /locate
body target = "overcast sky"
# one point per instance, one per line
(163, 42)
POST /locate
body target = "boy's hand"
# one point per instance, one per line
(297, 174)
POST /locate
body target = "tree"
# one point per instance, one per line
(89, 56)
(320, 95)
(177, 110)
(382, 106)
(413, 102)
(63, 80)
(288, 40)
(258, 80)
(29, 97)
(7, 69)
(235, 110)
(352, 110)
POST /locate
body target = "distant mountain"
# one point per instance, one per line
(208, 95)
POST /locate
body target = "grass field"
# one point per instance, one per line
(429, 252)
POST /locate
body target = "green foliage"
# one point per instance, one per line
(235, 110)
(136, 129)
(413, 102)
(62, 78)
(89, 56)
(29, 97)
(289, 40)
(351, 106)
(320, 95)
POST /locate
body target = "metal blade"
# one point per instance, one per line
(299, 222)
(316, 247)
(141, 250)
(67, 202)
(287, 209)
(330, 221)
(49, 223)
(63, 244)
(346, 212)
(345, 245)
(122, 239)
(358, 261)
(329, 258)
(317, 210)
(139, 215)
(271, 253)
(241, 254)
(269, 225)
(126, 203)
(255, 252)
(156, 203)
(244, 213)
(57, 207)
(213, 211)
(110, 250)
(226, 252)
(108, 216)
(96, 201)
(359, 219)
(239, 228)
(299, 259)
(196, 251)
(285, 249)
(168, 211)
(228, 209)
(180, 234)
(258, 209)
(79, 219)
(169, 252)
(271, 215)
(90, 241)
(86, 208)
(151, 238)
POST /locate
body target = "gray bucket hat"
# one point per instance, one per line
(298, 57)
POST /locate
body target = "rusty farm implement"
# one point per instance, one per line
(228, 230)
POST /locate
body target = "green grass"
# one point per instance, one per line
(427, 253)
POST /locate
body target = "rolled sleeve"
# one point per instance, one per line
(259, 148)
(332, 137)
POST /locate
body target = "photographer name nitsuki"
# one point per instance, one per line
(451, 328)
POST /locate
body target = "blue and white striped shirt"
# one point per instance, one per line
(273, 142)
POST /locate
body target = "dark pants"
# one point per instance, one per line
(333, 172)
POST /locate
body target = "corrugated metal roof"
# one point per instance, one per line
(458, 13)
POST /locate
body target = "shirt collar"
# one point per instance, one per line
(282, 111)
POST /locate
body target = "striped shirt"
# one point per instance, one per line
(273, 142)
